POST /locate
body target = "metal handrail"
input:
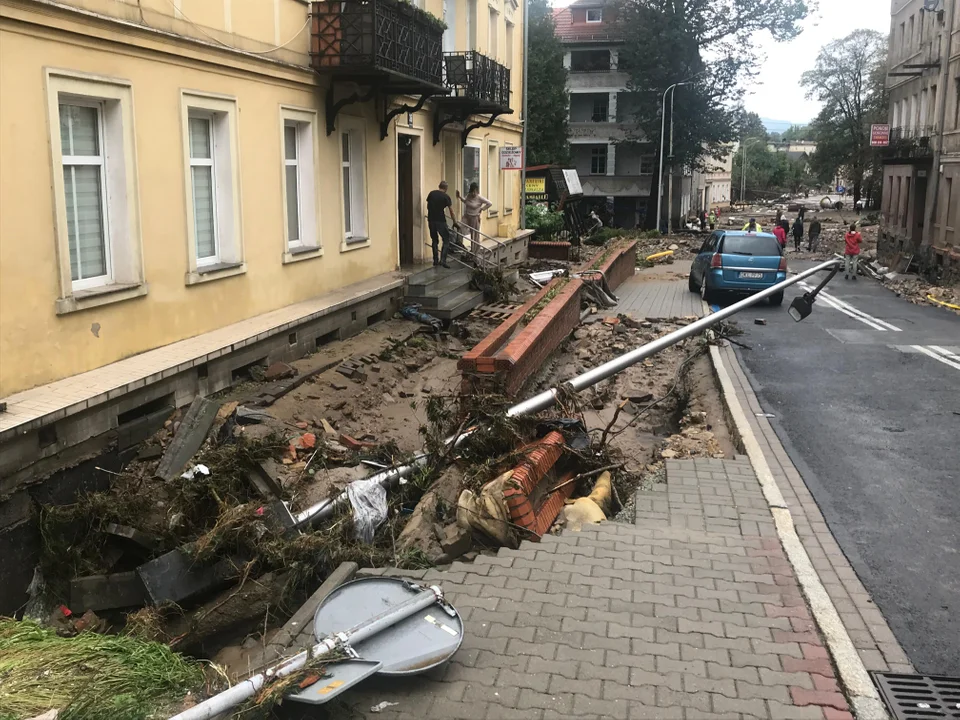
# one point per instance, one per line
(501, 246)
(478, 255)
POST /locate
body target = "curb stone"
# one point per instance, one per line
(863, 696)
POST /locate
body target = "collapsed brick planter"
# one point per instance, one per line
(619, 265)
(548, 250)
(504, 360)
(507, 357)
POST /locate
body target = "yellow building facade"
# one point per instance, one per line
(166, 170)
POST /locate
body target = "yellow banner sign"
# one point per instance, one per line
(536, 185)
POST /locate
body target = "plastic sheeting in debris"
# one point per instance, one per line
(369, 501)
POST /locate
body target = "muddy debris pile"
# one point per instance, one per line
(920, 292)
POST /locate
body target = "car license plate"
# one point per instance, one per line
(751, 276)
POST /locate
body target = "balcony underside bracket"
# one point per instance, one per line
(476, 126)
(441, 119)
(389, 115)
(335, 106)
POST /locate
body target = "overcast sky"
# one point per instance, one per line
(777, 93)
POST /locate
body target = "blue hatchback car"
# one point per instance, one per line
(738, 262)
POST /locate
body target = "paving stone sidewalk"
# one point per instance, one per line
(661, 619)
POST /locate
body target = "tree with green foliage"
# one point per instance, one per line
(796, 132)
(708, 44)
(849, 79)
(547, 98)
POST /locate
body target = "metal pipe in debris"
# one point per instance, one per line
(547, 398)
(232, 697)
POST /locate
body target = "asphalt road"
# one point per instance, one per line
(873, 424)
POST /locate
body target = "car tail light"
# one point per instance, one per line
(716, 261)
(783, 264)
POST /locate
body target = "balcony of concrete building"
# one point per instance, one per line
(609, 170)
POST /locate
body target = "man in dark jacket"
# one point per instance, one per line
(814, 237)
(797, 232)
(439, 203)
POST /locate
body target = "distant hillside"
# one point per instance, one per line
(780, 126)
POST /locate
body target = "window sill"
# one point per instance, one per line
(508, 211)
(304, 252)
(492, 213)
(95, 297)
(354, 244)
(208, 273)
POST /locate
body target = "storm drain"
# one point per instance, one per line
(920, 697)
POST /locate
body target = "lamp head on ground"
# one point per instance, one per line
(801, 307)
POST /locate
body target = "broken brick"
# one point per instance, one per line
(354, 444)
(279, 371)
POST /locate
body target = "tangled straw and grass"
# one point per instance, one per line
(90, 676)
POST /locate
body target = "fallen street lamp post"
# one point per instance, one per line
(801, 308)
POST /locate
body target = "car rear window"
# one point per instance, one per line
(750, 245)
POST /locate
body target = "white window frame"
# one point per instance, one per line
(210, 162)
(598, 17)
(222, 112)
(308, 245)
(98, 161)
(120, 195)
(492, 175)
(358, 235)
(493, 33)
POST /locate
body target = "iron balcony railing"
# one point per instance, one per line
(358, 36)
(473, 75)
(910, 142)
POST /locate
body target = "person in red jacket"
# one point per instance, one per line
(851, 252)
(781, 236)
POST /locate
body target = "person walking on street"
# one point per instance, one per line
(779, 217)
(753, 226)
(851, 252)
(814, 237)
(473, 204)
(781, 237)
(798, 232)
(438, 205)
(712, 219)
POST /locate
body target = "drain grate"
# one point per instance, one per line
(920, 697)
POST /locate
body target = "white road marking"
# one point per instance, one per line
(848, 309)
(949, 355)
(936, 356)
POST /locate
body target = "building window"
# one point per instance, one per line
(589, 61)
(598, 160)
(299, 182)
(96, 194)
(508, 55)
(956, 105)
(213, 202)
(493, 33)
(601, 109)
(910, 35)
(354, 185)
(648, 164)
(493, 178)
(84, 178)
(202, 176)
(471, 24)
(595, 16)
(471, 167)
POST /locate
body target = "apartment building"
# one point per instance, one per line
(921, 186)
(242, 175)
(612, 171)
